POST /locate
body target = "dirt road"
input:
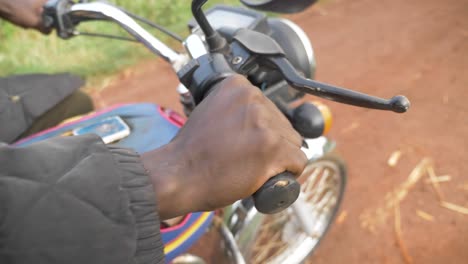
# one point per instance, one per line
(418, 48)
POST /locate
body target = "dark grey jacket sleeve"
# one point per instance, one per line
(76, 200)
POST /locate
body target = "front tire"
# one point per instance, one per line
(280, 238)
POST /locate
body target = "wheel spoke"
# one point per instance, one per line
(317, 193)
(281, 234)
(310, 181)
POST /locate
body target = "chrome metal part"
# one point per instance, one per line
(316, 147)
(195, 46)
(186, 99)
(107, 11)
(229, 240)
(188, 259)
(181, 89)
(236, 218)
(291, 235)
(237, 60)
(305, 42)
(300, 210)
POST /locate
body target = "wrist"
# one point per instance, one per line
(170, 181)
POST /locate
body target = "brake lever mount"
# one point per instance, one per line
(268, 53)
(202, 74)
(54, 17)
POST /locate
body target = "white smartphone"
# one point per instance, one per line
(110, 129)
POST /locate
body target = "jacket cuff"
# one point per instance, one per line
(143, 205)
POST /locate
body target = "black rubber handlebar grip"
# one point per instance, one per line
(277, 194)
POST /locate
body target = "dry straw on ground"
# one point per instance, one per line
(454, 207)
(394, 158)
(425, 216)
(399, 236)
(372, 219)
(342, 217)
(439, 179)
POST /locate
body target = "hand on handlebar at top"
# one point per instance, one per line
(233, 142)
(23, 13)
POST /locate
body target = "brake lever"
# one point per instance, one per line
(54, 17)
(398, 104)
(270, 53)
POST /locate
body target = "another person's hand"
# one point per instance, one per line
(24, 13)
(233, 142)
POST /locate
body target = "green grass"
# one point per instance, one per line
(25, 51)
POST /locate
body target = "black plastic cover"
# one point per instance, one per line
(246, 18)
(202, 74)
(258, 43)
(308, 121)
(279, 6)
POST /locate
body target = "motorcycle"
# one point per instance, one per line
(284, 221)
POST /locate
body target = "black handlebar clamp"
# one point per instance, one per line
(202, 74)
(54, 17)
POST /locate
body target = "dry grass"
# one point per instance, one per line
(373, 218)
(425, 216)
(454, 207)
(399, 236)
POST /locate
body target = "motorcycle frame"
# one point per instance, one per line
(239, 224)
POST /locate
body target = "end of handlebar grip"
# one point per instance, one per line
(277, 194)
(47, 22)
(400, 104)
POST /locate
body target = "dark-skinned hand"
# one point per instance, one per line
(233, 142)
(23, 13)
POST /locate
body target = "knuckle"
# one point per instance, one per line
(257, 117)
(249, 93)
(257, 96)
(297, 138)
(298, 161)
(269, 139)
(304, 159)
(303, 164)
(236, 80)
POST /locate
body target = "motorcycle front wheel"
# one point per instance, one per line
(280, 237)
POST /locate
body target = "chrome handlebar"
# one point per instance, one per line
(105, 11)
